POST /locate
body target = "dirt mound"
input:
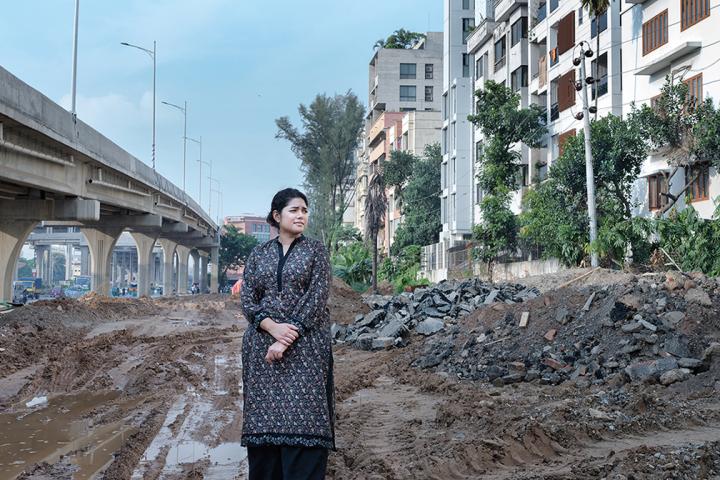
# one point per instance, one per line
(384, 288)
(345, 303)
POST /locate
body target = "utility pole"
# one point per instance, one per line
(586, 51)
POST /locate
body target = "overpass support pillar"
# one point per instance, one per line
(183, 253)
(214, 270)
(203, 272)
(145, 244)
(84, 257)
(12, 236)
(101, 241)
(168, 247)
(196, 266)
(68, 262)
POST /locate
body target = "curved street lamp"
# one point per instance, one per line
(152, 54)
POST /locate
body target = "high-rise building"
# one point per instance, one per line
(401, 81)
(680, 40)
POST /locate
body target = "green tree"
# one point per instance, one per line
(375, 206)
(400, 39)
(27, 267)
(235, 247)
(555, 213)
(685, 129)
(325, 146)
(352, 263)
(399, 168)
(420, 202)
(504, 124)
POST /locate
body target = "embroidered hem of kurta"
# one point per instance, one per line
(287, 440)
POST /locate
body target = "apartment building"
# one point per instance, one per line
(415, 131)
(252, 225)
(679, 39)
(400, 82)
(499, 50)
(556, 30)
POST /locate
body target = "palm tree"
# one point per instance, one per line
(375, 206)
(596, 8)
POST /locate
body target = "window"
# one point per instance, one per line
(466, 64)
(408, 70)
(554, 4)
(700, 176)
(655, 32)
(692, 11)
(478, 151)
(407, 93)
(429, 71)
(566, 33)
(563, 138)
(428, 94)
(566, 91)
(602, 21)
(657, 187)
(407, 109)
(480, 67)
(519, 78)
(468, 25)
(500, 54)
(580, 16)
(519, 31)
(542, 11)
(444, 106)
(466, 4)
(444, 141)
(695, 93)
(600, 72)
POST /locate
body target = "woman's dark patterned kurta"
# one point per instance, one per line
(291, 401)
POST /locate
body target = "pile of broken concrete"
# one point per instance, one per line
(425, 311)
(649, 330)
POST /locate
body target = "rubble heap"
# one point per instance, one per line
(425, 311)
(649, 330)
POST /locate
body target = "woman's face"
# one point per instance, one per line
(293, 217)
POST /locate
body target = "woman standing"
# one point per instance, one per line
(289, 409)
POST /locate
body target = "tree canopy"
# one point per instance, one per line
(400, 39)
(325, 146)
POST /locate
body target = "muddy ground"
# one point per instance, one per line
(141, 389)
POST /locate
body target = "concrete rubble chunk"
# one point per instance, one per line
(550, 335)
(382, 343)
(648, 325)
(365, 341)
(491, 297)
(371, 319)
(632, 327)
(699, 296)
(394, 328)
(674, 375)
(691, 363)
(429, 326)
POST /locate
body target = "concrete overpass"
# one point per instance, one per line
(58, 170)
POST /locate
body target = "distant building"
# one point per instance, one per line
(253, 225)
(401, 81)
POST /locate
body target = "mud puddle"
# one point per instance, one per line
(62, 425)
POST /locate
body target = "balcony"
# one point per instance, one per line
(503, 8)
(480, 35)
(377, 152)
(662, 59)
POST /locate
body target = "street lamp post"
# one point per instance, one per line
(74, 66)
(200, 161)
(184, 111)
(211, 179)
(152, 54)
(220, 202)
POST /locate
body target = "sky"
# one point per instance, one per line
(239, 64)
